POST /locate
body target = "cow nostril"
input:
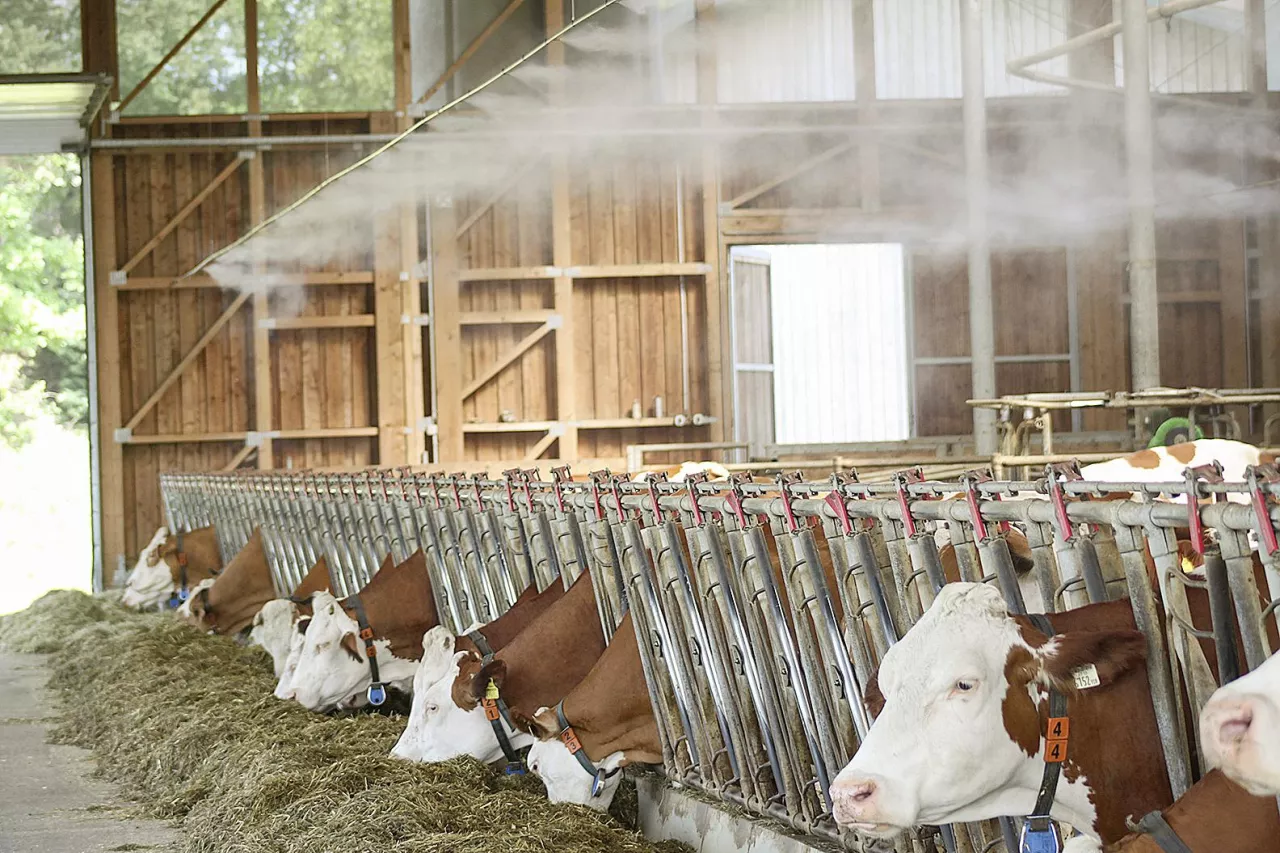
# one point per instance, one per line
(860, 792)
(1236, 726)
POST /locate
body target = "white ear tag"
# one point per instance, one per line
(1086, 676)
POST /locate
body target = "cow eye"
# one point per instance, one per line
(432, 708)
(965, 686)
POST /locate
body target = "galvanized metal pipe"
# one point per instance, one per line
(1144, 309)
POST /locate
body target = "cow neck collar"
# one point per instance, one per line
(1039, 833)
(481, 643)
(1164, 835)
(377, 692)
(183, 591)
(499, 715)
(572, 743)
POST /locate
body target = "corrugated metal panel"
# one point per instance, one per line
(840, 343)
(918, 46)
(770, 52)
(1198, 51)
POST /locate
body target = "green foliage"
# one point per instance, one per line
(39, 36)
(42, 320)
(325, 55)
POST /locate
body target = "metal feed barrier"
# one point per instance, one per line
(763, 609)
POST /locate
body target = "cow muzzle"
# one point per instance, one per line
(1234, 728)
(857, 802)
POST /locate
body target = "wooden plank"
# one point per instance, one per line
(186, 360)
(340, 321)
(204, 280)
(604, 305)
(241, 455)
(542, 446)
(388, 334)
(568, 338)
(627, 332)
(506, 359)
(407, 241)
(187, 209)
(448, 333)
(506, 317)
(194, 409)
(1184, 297)
(165, 329)
(806, 165)
(582, 424)
(505, 187)
(173, 51)
(180, 438)
(588, 271)
(504, 247)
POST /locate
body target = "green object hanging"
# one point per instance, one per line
(1175, 431)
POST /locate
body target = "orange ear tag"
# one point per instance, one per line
(570, 740)
(491, 712)
(1056, 737)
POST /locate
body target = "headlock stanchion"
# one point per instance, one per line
(763, 609)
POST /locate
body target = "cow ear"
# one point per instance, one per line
(544, 724)
(1066, 658)
(302, 625)
(438, 639)
(349, 645)
(872, 698)
(495, 671)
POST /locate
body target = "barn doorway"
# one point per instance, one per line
(820, 344)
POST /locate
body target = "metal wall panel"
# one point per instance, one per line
(770, 52)
(840, 343)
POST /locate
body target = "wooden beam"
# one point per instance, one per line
(98, 41)
(289, 434)
(204, 280)
(501, 318)
(182, 42)
(507, 359)
(447, 333)
(582, 272)
(411, 293)
(187, 438)
(795, 171)
(1232, 281)
(241, 455)
(187, 360)
(389, 338)
(336, 321)
(719, 348)
(584, 424)
(187, 209)
(566, 365)
(471, 49)
(542, 445)
(864, 72)
(507, 185)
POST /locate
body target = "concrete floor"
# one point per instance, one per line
(47, 802)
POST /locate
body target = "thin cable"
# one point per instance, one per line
(397, 140)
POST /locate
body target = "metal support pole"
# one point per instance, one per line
(981, 310)
(1144, 311)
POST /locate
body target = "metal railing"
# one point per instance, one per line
(763, 609)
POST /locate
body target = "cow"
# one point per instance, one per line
(170, 566)
(958, 736)
(229, 604)
(333, 669)
(542, 664)
(273, 625)
(1168, 464)
(609, 719)
(1215, 816)
(439, 648)
(297, 640)
(1240, 729)
(679, 473)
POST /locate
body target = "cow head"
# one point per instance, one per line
(192, 610)
(452, 721)
(297, 639)
(151, 582)
(273, 630)
(436, 664)
(958, 737)
(332, 669)
(1240, 729)
(566, 780)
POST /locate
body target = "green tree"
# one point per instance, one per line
(42, 319)
(39, 36)
(325, 55)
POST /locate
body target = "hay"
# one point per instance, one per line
(186, 724)
(52, 618)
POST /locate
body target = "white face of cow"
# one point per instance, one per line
(150, 583)
(437, 661)
(184, 611)
(939, 752)
(446, 731)
(329, 673)
(1240, 729)
(297, 640)
(567, 781)
(273, 630)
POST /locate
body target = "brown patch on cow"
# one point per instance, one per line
(1019, 551)
(462, 692)
(1184, 452)
(1144, 459)
(1021, 716)
(1265, 458)
(348, 643)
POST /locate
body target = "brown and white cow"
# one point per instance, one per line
(439, 648)
(1167, 464)
(1240, 729)
(159, 573)
(332, 670)
(961, 731)
(228, 605)
(1215, 816)
(611, 716)
(542, 664)
(273, 626)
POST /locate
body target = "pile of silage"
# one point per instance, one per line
(57, 615)
(187, 725)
